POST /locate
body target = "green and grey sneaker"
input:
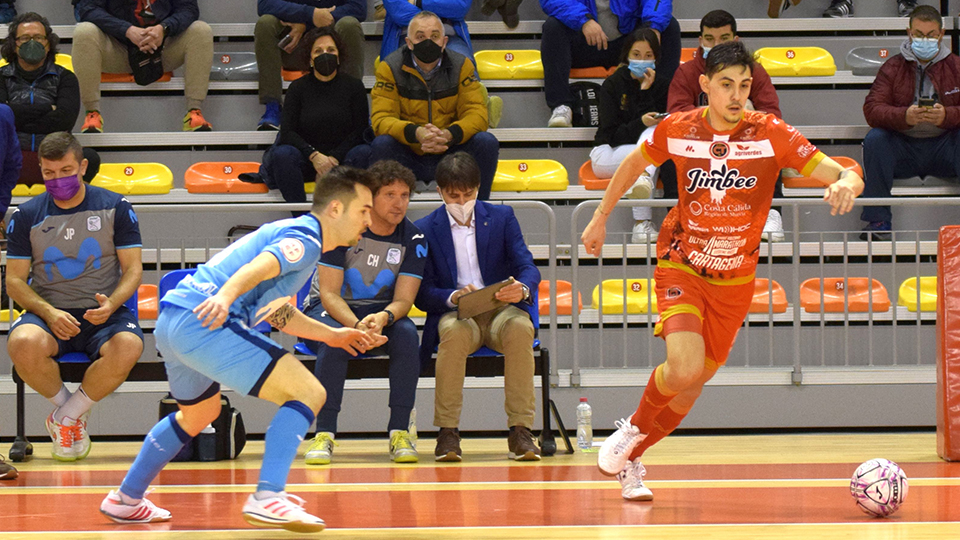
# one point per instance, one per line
(321, 450)
(403, 447)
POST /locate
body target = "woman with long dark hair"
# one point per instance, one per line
(629, 101)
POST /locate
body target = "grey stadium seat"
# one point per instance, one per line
(234, 66)
(867, 60)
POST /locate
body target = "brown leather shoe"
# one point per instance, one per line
(448, 445)
(521, 445)
(7, 471)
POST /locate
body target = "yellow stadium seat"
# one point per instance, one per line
(530, 175)
(636, 291)
(308, 187)
(135, 178)
(416, 312)
(64, 60)
(928, 294)
(21, 190)
(221, 177)
(501, 64)
(796, 61)
(5, 315)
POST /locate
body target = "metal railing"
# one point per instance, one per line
(799, 336)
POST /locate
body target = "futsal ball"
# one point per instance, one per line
(879, 486)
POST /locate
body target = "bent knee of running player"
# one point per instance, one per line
(686, 351)
(291, 381)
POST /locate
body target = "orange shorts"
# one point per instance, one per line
(689, 303)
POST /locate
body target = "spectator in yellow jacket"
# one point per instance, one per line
(427, 102)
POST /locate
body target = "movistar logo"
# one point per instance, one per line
(68, 267)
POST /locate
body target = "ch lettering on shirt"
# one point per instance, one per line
(68, 235)
(373, 260)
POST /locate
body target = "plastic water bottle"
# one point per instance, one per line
(584, 426)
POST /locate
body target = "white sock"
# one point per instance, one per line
(128, 500)
(392, 431)
(78, 404)
(62, 396)
(264, 494)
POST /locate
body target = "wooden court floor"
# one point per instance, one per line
(783, 487)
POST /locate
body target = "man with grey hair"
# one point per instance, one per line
(73, 259)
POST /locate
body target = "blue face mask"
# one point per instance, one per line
(706, 51)
(925, 48)
(639, 67)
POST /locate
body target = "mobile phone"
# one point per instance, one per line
(661, 115)
(926, 102)
(285, 37)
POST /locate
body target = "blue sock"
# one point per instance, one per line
(161, 445)
(283, 437)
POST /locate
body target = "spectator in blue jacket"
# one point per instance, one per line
(292, 18)
(590, 33)
(113, 30)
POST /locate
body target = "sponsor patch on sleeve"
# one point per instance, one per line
(292, 249)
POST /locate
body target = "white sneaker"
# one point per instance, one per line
(631, 482)
(280, 512)
(142, 512)
(562, 117)
(642, 188)
(773, 229)
(70, 439)
(644, 231)
(615, 451)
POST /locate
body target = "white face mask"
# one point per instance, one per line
(461, 212)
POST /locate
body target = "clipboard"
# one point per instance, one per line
(472, 304)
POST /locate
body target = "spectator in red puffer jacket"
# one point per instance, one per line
(914, 110)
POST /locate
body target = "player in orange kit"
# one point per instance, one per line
(727, 161)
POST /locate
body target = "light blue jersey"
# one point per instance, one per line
(294, 242)
(199, 359)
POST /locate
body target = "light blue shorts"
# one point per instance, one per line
(199, 360)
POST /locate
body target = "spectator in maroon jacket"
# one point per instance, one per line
(685, 94)
(915, 124)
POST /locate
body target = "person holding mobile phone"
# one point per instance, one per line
(630, 100)
(913, 108)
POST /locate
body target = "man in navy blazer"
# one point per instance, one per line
(474, 244)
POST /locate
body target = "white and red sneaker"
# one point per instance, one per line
(631, 482)
(281, 512)
(616, 449)
(143, 512)
(70, 439)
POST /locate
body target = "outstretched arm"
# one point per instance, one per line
(627, 173)
(843, 185)
(213, 311)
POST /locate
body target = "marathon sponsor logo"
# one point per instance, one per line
(724, 246)
(719, 264)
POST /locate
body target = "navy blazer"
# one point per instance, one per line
(501, 252)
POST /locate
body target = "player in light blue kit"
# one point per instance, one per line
(205, 335)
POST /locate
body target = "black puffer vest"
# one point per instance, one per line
(42, 91)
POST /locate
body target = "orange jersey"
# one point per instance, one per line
(726, 183)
